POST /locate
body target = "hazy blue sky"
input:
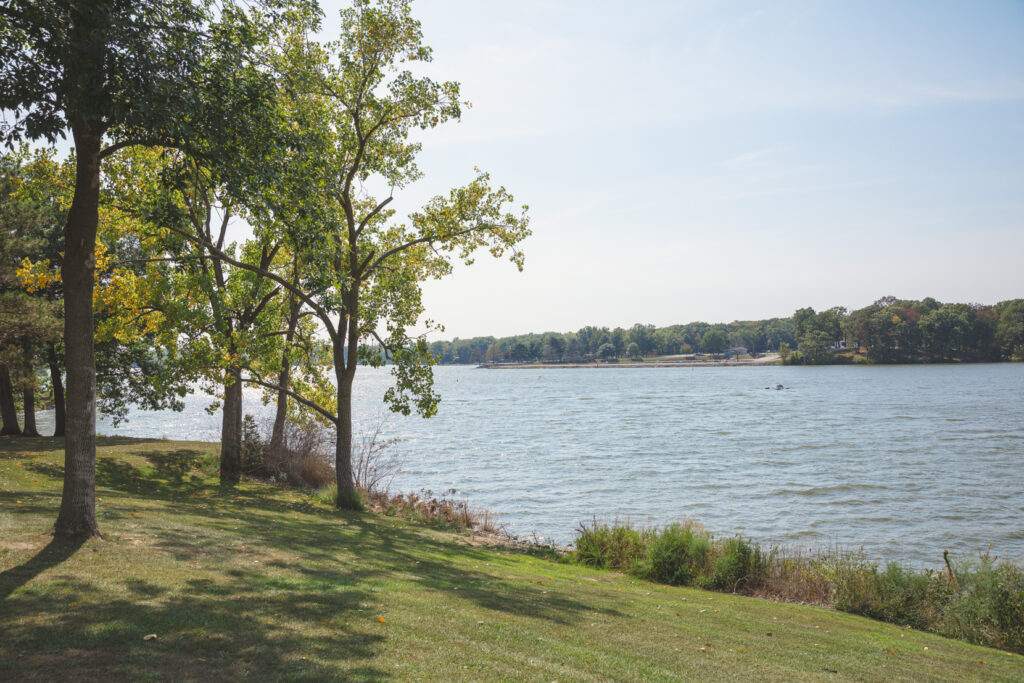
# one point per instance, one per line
(731, 160)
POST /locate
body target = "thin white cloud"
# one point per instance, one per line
(757, 158)
(808, 189)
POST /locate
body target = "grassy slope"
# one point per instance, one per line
(264, 583)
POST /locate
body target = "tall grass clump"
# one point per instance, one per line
(988, 606)
(443, 512)
(329, 494)
(677, 555)
(894, 594)
(979, 601)
(609, 546)
(736, 563)
(680, 554)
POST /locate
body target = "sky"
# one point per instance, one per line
(724, 161)
(694, 160)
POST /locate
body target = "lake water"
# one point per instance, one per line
(903, 461)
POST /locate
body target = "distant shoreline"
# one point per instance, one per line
(770, 360)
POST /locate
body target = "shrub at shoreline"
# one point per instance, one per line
(980, 601)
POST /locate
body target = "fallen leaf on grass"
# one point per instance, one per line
(380, 619)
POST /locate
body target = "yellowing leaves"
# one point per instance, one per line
(36, 275)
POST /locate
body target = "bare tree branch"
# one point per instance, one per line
(321, 312)
(304, 401)
(377, 209)
(384, 345)
(117, 146)
(424, 240)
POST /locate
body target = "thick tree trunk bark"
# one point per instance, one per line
(283, 377)
(348, 498)
(58, 392)
(8, 411)
(77, 517)
(28, 395)
(231, 432)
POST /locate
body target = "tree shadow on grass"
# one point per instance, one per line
(169, 466)
(23, 446)
(15, 445)
(309, 547)
(431, 562)
(222, 629)
(309, 544)
(166, 480)
(56, 552)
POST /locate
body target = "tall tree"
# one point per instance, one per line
(29, 223)
(115, 73)
(363, 270)
(284, 375)
(212, 320)
(1010, 329)
(233, 300)
(8, 410)
(714, 341)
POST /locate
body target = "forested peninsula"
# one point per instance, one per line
(890, 330)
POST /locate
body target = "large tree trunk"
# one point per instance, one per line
(348, 497)
(58, 392)
(28, 394)
(283, 378)
(77, 517)
(8, 411)
(231, 432)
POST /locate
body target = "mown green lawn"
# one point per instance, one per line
(265, 583)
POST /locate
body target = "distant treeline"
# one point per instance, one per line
(890, 330)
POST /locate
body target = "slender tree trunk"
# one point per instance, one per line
(77, 517)
(283, 378)
(277, 435)
(29, 398)
(8, 410)
(28, 394)
(348, 498)
(58, 392)
(231, 432)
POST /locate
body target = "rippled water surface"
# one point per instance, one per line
(904, 461)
